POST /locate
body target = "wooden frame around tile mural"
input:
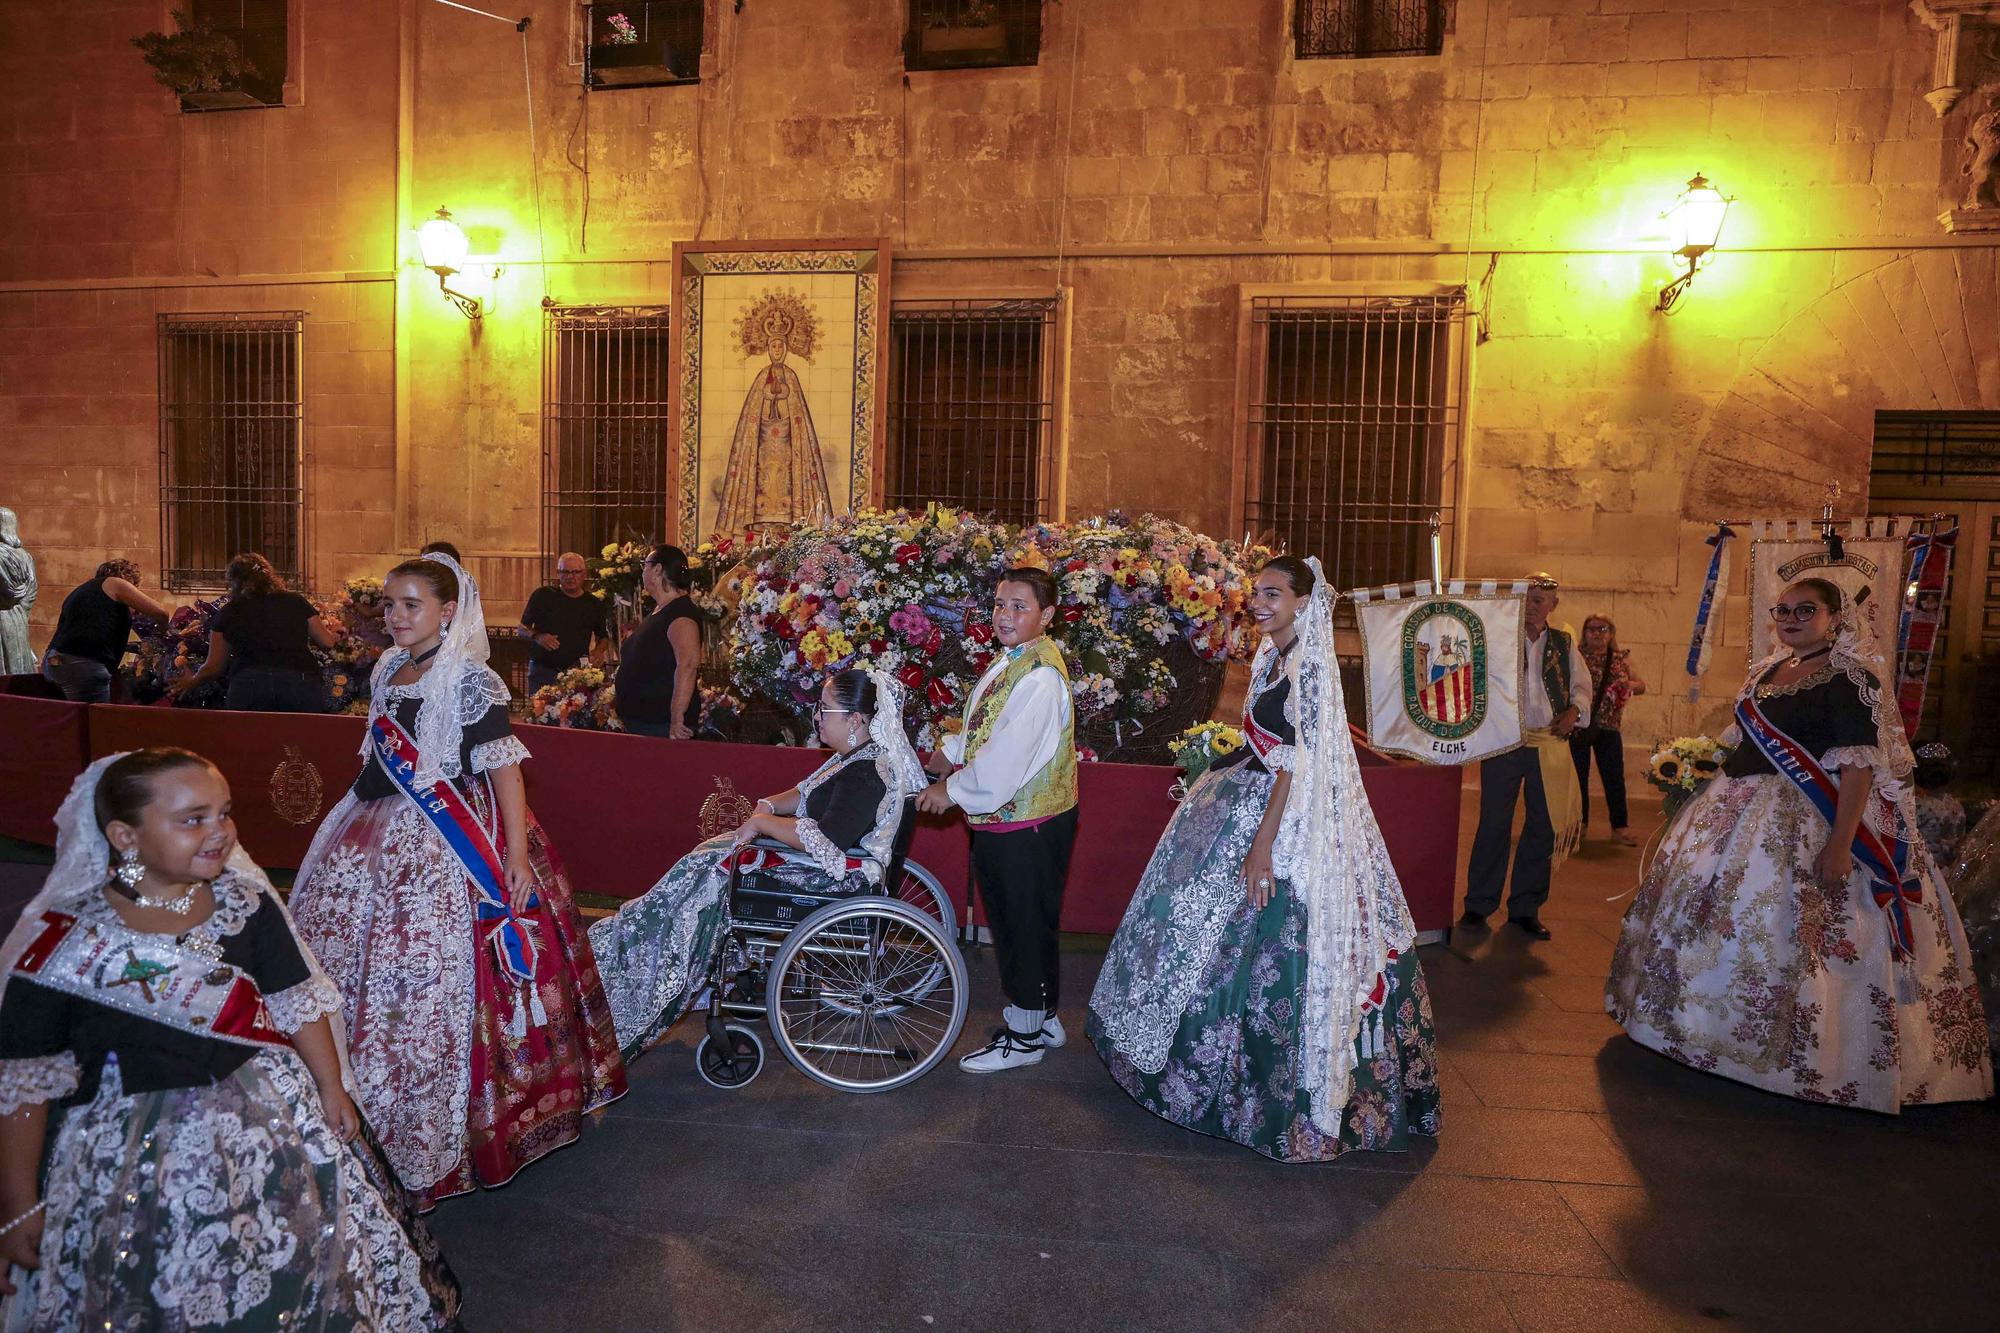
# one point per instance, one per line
(775, 412)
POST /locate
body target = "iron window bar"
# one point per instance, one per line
(972, 34)
(1354, 431)
(258, 27)
(1350, 29)
(642, 43)
(605, 377)
(972, 406)
(1936, 448)
(232, 445)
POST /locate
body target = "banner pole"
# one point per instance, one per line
(1437, 550)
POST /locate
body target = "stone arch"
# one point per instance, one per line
(1920, 332)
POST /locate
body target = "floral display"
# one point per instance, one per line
(720, 712)
(1682, 766)
(168, 652)
(1202, 744)
(909, 592)
(583, 697)
(356, 617)
(621, 31)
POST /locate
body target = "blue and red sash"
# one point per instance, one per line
(513, 940)
(1885, 858)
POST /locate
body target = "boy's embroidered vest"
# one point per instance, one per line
(1052, 789)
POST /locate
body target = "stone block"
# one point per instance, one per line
(1521, 124)
(1723, 76)
(1672, 122)
(1655, 36)
(1411, 171)
(1355, 174)
(1571, 80)
(1588, 37)
(1167, 133)
(1742, 32)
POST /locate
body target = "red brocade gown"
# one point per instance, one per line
(464, 1076)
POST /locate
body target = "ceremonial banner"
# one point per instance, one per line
(1701, 644)
(1868, 571)
(1443, 671)
(1923, 608)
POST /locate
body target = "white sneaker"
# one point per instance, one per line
(1007, 1050)
(1053, 1035)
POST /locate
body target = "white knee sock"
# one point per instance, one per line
(1025, 1021)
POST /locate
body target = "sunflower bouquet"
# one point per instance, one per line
(1683, 766)
(1202, 744)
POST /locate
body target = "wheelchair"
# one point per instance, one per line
(863, 989)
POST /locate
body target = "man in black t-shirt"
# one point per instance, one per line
(565, 622)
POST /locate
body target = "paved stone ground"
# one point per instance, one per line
(1580, 1183)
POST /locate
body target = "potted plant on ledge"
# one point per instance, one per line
(206, 67)
(622, 56)
(971, 35)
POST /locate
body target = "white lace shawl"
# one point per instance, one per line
(457, 691)
(1330, 849)
(82, 868)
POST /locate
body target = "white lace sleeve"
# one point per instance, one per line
(480, 690)
(295, 1006)
(1852, 756)
(498, 753)
(39, 1078)
(820, 848)
(1282, 759)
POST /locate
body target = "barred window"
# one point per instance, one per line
(232, 445)
(258, 29)
(971, 406)
(605, 374)
(972, 34)
(1927, 449)
(1353, 431)
(642, 43)
(1332, 29)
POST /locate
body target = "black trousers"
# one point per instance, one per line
(1609, 747)
(1504, 780)
(1021, 876)
(275, 690)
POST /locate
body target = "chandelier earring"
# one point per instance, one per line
(129, 872)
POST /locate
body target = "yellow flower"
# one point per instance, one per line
(609, 552)
(1223, 743)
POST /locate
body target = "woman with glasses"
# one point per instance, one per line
(654, 954)
(1794, 934)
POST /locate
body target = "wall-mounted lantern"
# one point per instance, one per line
(1695, 226)
(444, 248)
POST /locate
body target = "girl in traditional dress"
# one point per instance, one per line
(1793, 933)
(479, 1031)
(206, 1170)
(1262, 986)
(655, 954)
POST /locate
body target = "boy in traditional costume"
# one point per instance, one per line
(1012, 770)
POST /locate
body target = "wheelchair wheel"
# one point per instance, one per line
(921, 890)
(733, 1067)
(867, 994)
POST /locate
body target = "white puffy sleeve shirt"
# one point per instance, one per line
(1025, 738)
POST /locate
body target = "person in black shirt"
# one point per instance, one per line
(94, 629)
(566, 623)
(262, 640)
(655, 690)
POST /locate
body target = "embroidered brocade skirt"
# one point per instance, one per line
(228, 1206)
(458, 1081)
(1232, 1066)
(1734, 960)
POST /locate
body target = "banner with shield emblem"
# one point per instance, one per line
(1443, 669)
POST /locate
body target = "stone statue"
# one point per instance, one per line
(17, 598)
(1982, 166)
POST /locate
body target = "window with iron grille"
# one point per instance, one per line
(1930, 449)
(972, 34)
(258, 29)
(642, 43)
(1353, 430)
(605, 373)
(232, 445)
(1334, 29)
(971, 406)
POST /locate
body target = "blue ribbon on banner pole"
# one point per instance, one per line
(1920, 546)
(1705, 612)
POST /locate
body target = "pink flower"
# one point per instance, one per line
(842, 589)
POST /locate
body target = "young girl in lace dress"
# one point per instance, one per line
(207, 1168)
(479, 1030)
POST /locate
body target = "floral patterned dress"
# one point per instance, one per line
(1217, 985)
(461, 1088)
(193, 1183)
(1734, 960)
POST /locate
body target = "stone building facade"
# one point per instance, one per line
(1156, 167)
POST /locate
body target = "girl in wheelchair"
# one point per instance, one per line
(655, 954)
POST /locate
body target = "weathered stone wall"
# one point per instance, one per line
(1159, 158)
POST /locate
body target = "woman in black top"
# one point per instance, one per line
(262, 639)
(94, 630)
(654, 955)
(655, 688)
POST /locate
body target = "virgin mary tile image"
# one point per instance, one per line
(775, 476)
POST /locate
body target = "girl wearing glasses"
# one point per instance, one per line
(1794, 934)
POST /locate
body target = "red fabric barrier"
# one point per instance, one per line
(621, 809)
(43, 746)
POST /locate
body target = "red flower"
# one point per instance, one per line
(909, 552)
(911, 675)
(934, 642)
(980, 633)
(876, 647)
(939, 693)
(980, 661)
(783, 629)
(1072, 614)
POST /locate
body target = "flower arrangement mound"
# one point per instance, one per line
(168, 652)
(582, 697)
(1148, 612)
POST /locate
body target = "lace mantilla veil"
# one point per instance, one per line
(1330, 849)
(457, 691)
(887, 731)
(83, 867)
